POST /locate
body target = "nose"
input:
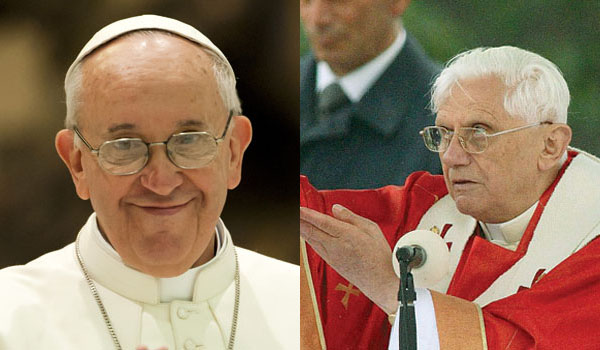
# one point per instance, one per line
(160, 175)
(455, 155)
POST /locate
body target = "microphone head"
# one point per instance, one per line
(428, 256)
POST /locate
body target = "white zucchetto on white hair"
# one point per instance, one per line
(224, 74)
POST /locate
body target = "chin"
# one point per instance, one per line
(470, 206)
(162, 248)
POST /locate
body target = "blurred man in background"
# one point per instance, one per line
(154, 139)
(364, 91)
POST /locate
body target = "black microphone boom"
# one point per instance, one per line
(409, 257)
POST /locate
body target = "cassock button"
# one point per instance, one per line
(182, 313)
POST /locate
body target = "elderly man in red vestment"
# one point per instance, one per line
(518, 209)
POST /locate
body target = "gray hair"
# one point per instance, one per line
(224, 77)
(536, 90)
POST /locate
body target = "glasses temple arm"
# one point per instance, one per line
(92, 149)
(226, 125)
(517, 129)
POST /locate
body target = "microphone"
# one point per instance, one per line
(426, 254)
(414, 255)
(420, 259)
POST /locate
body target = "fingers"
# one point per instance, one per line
(314, 225)
(346, 215)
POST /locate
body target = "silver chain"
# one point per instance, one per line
(111, 330)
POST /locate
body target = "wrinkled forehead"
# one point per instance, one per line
(481, 97)
(148, 82)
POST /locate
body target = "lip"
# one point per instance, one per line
(462, 184)
(328, 39)
(163, 209)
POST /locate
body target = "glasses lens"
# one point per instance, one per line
(192, 149)
(123, 156)
(434, 138)
(475, 139)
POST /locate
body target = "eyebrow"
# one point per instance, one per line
(476, 111)
(118, 127)
(192, 122)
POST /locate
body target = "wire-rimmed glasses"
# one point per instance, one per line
(472, 139)
(127, 156)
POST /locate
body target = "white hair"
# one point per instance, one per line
(535, 88)
(224, 77)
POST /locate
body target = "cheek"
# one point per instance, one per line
(106, 191)
(306, 14)
(211, 181)
(503, 176)
(350, 17)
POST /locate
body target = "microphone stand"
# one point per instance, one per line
(408, 257)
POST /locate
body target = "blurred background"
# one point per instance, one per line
(565, 32)
(39, 210)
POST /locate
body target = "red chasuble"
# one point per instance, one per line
(561, 310)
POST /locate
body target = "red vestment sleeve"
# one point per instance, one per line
(349, 320)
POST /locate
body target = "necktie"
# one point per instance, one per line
(331, 99)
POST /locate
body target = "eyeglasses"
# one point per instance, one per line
(472, 140)
(127, 156)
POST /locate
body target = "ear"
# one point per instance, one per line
(555, 145)
(241, 135)
(399, 6)
(71, 156)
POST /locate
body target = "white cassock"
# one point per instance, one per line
(47, 304)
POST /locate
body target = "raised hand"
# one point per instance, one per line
(356, 248)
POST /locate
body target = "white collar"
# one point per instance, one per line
(182, 287)
(508, 234)
(356, 83)
(200, 283)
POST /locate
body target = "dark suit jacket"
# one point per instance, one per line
(376, 141)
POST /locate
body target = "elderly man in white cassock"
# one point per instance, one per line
(154, 139)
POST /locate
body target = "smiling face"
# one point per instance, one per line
(347, 34)
(161, 220)
(504, 180)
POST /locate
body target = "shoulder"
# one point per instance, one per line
(39, 279)
(308, 68)
(43, 270)
(31, 292)
(414, 53)
(269, 278)
(261, 267)
(273, 284)
(270, 292)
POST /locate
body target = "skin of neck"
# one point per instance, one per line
(205, 257)
(342, 68)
